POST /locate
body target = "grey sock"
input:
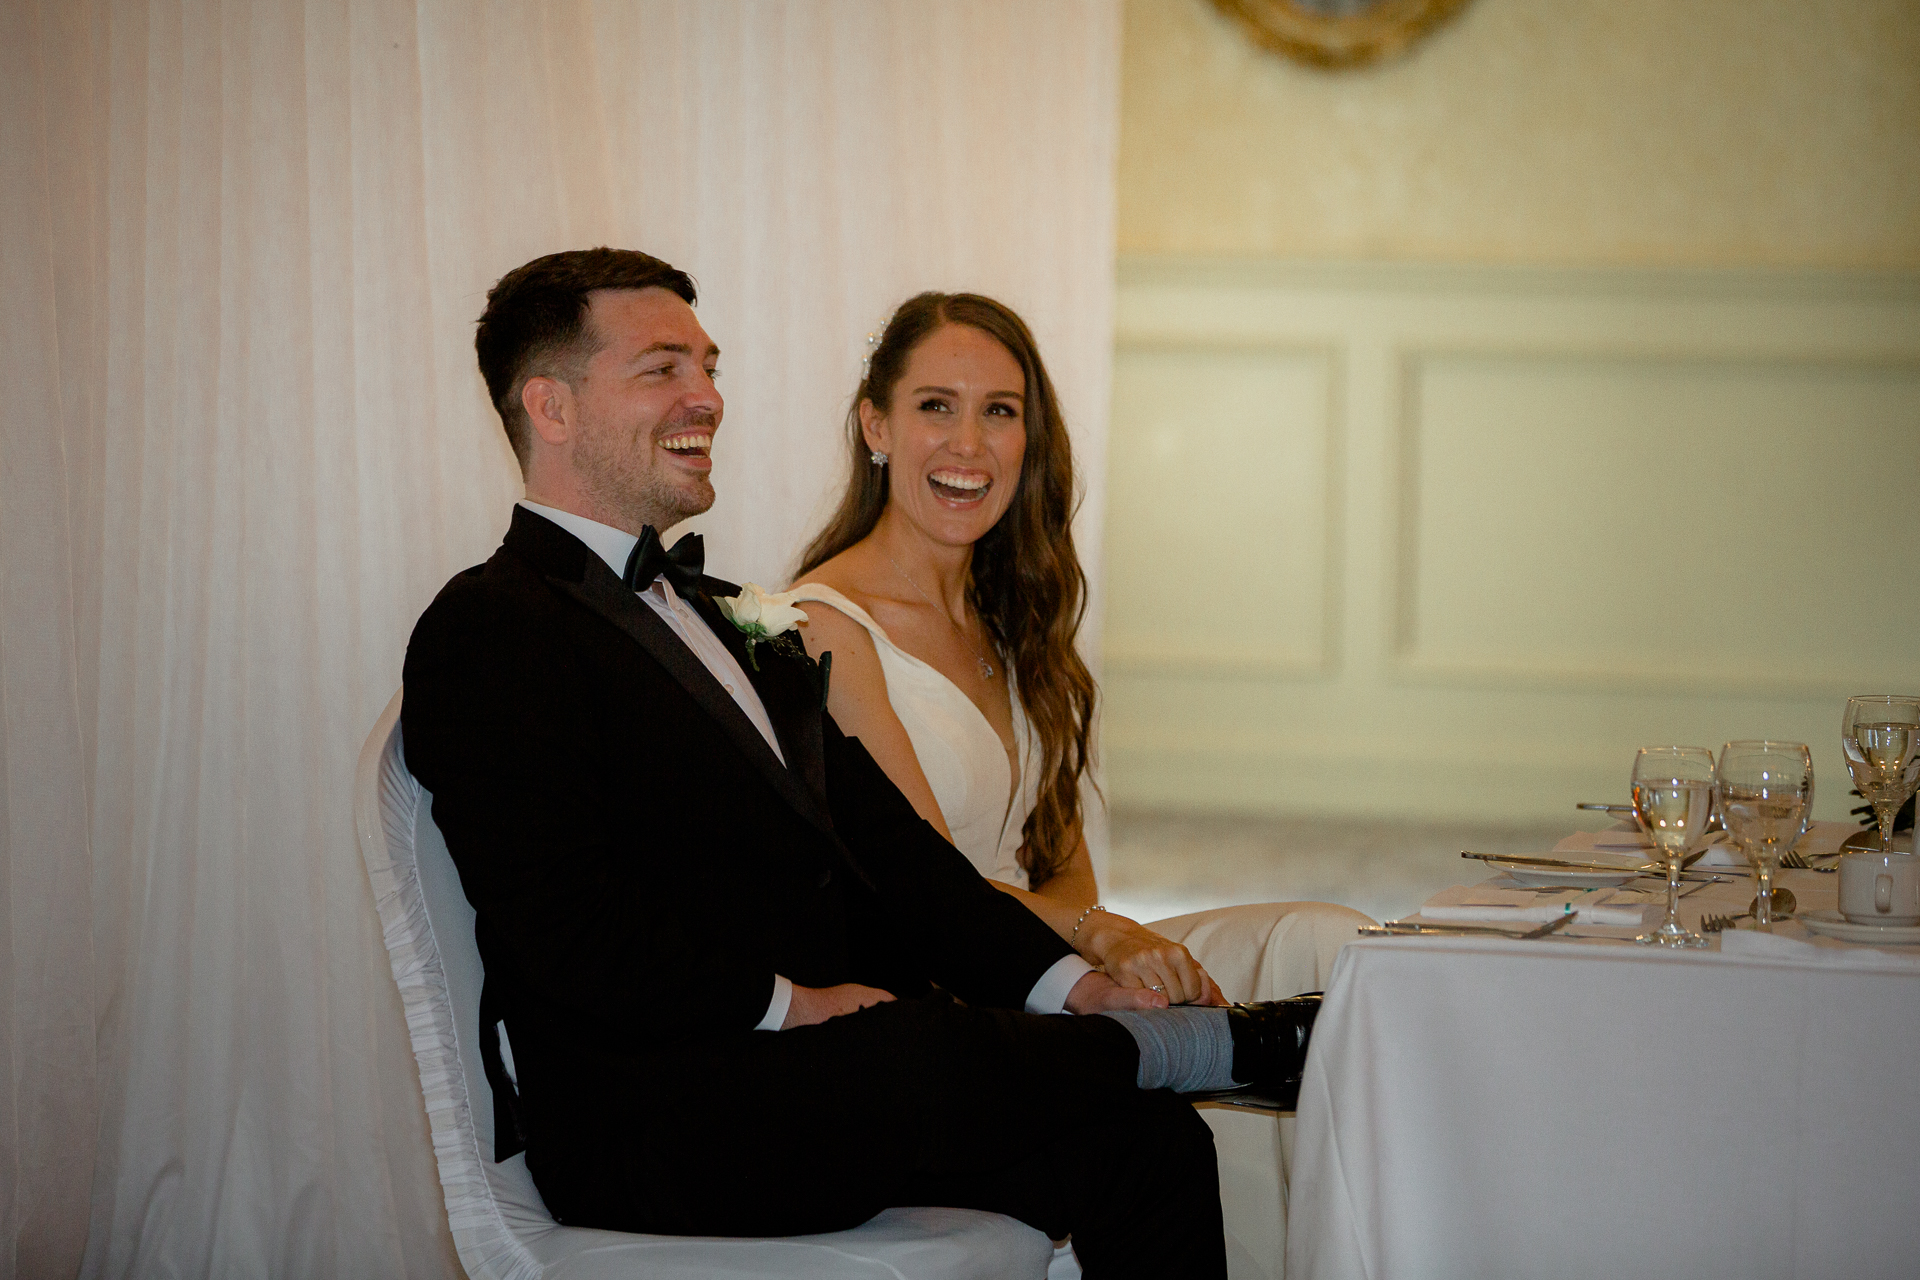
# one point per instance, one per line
(1185, 1049)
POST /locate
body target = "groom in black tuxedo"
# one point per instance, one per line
(744, 988)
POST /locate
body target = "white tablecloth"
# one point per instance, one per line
(1487, 1108)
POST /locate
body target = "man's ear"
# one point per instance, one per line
(550, 409)
(874, 428)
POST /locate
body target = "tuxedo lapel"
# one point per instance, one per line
(793, 705)
(575, 571)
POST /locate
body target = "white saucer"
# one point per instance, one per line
(1832, 924)
(1543, 877)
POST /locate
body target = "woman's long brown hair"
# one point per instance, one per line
(1027, 585)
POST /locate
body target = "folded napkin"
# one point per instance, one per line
(1774, 946)
(1821, 837)
(1481, 902)
(1625, 838)
(1723, 852)
(1629, 839)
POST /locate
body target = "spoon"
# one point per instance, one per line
(1783, 905)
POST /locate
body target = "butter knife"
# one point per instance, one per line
(1620, 868)
(1402, 928)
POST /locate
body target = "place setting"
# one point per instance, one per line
(1700, 835)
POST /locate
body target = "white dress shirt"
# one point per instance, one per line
(1049, 994)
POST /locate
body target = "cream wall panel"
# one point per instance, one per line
(1232, 443)
(1485, 645)
(1594, 521)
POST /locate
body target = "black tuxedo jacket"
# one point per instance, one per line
(640, 863)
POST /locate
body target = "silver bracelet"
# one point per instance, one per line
(1082, 920)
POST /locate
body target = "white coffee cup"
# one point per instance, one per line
(1880, 888)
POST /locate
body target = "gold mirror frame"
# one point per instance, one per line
(1384, 30)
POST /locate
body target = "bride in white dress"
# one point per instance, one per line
(947, 588)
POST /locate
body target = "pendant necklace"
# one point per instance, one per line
(986, 668)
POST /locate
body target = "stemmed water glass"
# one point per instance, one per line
(1765, 789)
(1881, 736)
(1672, 796)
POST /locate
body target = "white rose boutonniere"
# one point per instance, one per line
(763, 617)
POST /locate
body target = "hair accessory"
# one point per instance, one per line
(878, 458)
(866, 361)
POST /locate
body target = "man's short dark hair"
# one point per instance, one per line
(535, 324)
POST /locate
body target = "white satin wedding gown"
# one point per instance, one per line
(1261, 951)
(961, 754)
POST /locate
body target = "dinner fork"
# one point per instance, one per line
(1797, 860)
(1718, 924)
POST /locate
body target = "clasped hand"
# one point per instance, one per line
(1139, 960)
(1136, 960)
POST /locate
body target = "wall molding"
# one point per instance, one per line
(1251, 661)
(1790, 284)
(1253, 774)
(1407, 667)
(1523, 722)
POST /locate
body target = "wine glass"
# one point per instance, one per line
(1881, 736)
(1672, 796)
(1765, 789)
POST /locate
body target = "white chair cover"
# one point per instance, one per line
(500, 1225)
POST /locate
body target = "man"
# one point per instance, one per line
(691, 889)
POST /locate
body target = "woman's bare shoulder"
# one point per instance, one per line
(848, 573)
(827, 627)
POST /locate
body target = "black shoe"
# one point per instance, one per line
(1270, 1045)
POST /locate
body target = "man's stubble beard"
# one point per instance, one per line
(617, 475)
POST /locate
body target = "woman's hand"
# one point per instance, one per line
(1135, 956)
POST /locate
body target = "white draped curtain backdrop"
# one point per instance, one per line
(244, 443)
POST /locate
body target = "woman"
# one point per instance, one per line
(947, 587)
(951, 595)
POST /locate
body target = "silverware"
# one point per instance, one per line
(1617, 867)
(1784, 903)
(1799, 861)
(1692, 877)
(1694, 885)
(1402, 928)
(1719, 924)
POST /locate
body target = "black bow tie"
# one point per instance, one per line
(681, 566)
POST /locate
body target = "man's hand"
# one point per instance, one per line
(816, 1004)
(1097, 993)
